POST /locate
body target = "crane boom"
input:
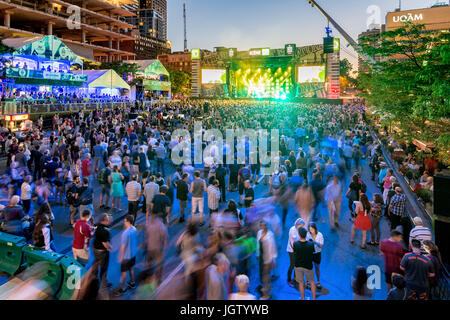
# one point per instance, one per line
(346, 36)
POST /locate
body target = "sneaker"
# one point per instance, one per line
(132, 285)
(318, 286)
(120, 292)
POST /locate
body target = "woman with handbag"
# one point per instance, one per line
(362, 221)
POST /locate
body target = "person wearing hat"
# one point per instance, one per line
(419, 232)
(293, 237)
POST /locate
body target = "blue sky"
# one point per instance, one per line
(249, 24)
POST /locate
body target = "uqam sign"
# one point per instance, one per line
(408, 17)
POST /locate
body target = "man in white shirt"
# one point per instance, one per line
(293, 236)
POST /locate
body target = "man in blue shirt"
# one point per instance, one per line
(127, 255)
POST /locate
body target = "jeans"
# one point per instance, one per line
(160, 165)
(133, 208)
(101, 260)
(291, 266)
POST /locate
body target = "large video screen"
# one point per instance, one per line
(214, 76)
(311, 74)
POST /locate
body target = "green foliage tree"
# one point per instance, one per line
(345, 67)
(180, 82)
(410, 82)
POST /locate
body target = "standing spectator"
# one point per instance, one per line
(86, 167)
(242, 283)
(249, 194)
(397, 208)
(182, 195)
(376, 213)
(244, 174)
(133, 190)
(293, 237)
(432, 253)
(387, 182)
(419, 232)
(362, 221)
(72, 199)
(213, 197)
(317, 239)
(392, 252)
(103, 180)
(333, 196)
(102, 247)
(221, 174)
(161, 205)
(303, 256)
(160, 157)
(156, 239)
(99, 154)
(198, 187)
(117, 192)
(26, 194)
(127, 255)
(418, 269)
(82, 234)
(353, 194)
(142, 161)
(359, 285)
(150, 190)
(267, 252)
(214, 279)
(86, 196)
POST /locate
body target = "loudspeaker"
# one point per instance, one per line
(442, 237)
(441, 192)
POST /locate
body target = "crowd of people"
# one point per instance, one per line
(118, 157)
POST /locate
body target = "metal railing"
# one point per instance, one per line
(10, 108)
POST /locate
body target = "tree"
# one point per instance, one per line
(345, 80)
(180, 82)
(410, 82)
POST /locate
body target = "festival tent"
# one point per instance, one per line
(104, 79)
(155, 76)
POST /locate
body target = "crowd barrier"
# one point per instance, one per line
(61, 272)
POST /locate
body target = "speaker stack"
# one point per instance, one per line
(441, 202)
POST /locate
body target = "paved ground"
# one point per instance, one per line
(339, 257)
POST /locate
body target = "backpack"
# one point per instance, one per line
(102, 176)
(245, 173)
(276, 182)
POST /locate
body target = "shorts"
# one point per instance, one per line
(317, 257)
(255, 168)
(183, 203)
(241, 188)
(300, 274)
(81, 255)
(106, 189)
(126, 265)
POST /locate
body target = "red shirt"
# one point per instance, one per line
(86, 167)
(81, 235)
(392, 255)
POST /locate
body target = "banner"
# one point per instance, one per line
(39, 74)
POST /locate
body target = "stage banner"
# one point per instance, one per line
(39, 74)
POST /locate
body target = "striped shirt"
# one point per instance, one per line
(213, 197)
(420, 233)
(133, 190)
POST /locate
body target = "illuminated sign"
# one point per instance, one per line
(336, 44)
(259, 52)
(195, 54)
(290, 49)
(408, 17)
(17, 117)
(265, 52)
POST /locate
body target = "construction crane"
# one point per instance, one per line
(185, 36)
(346, 36)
